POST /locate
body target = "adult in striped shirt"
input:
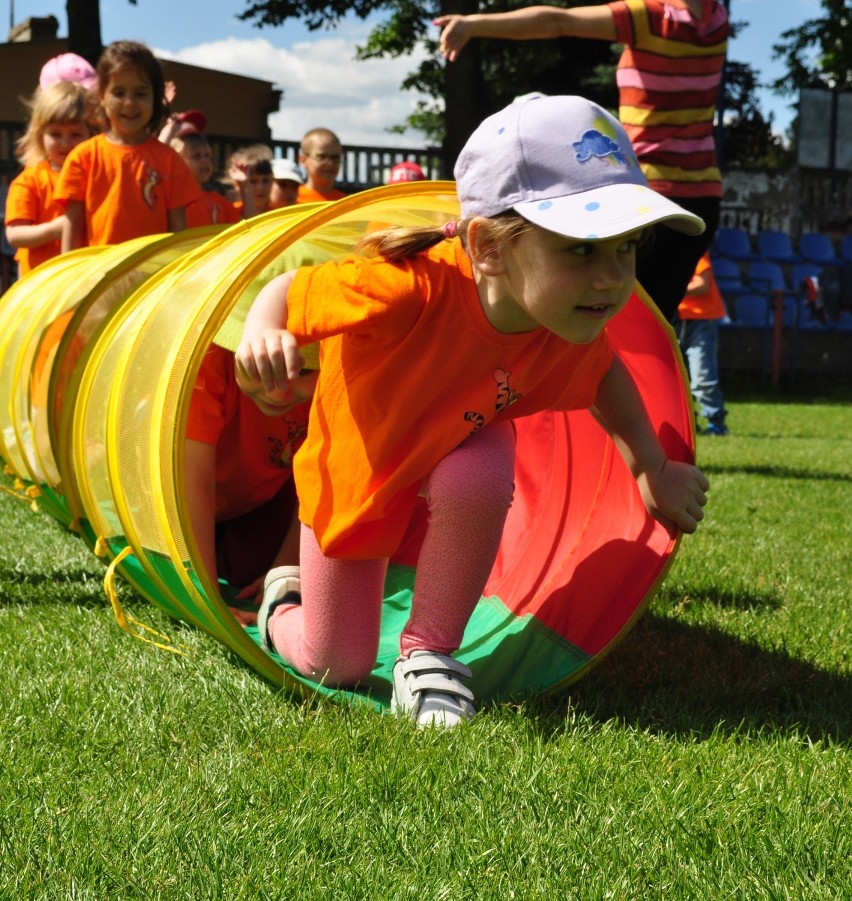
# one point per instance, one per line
(669, 78)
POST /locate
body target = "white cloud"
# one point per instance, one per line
(324, 85)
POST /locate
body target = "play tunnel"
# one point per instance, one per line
(99, 353)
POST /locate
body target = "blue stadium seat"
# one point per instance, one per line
(801, 271)
(734, 243)
(844, 320)
(766, 277)
(846, 249)
(752, 310)
(791, 312)
(818, 248)
(776, 246)
(728, 276)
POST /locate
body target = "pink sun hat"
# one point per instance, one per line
(68, 67)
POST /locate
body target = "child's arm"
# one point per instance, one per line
(699, 284)
(525, 23)
(268, 358)
(239, 174)
(74, 228)
(177, 219)
(673, 492)
(200, 463)
(34, 234)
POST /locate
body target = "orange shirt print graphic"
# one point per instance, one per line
(151, 179)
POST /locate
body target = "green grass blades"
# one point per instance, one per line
(707, 757)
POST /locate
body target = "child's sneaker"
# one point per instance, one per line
(714, 428)
(282, 585)
(427, 688)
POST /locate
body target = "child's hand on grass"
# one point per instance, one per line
(244, 617)
(675, 494)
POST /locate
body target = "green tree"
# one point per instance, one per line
(818, 53)
(484, 79)
(749, 141)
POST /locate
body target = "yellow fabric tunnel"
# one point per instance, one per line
(106, 438)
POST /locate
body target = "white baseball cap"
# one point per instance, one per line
(286, 170)
(565, 164)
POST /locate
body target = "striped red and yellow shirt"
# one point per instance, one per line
(669, 76)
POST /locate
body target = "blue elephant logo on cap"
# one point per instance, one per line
(595, 144)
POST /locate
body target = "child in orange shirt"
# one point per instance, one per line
(125, 183)
(320, 155)
(211, 208)
(697, 328)
(250, 170)
(60, 119)
(430, 348)
(240, 491)
(287, 179)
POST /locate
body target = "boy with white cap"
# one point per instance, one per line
(286, 179)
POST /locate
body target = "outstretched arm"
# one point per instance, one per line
(239, 173)
(23, 233)
(673, 492)
(527, 23)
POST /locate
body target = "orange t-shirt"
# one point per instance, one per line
(31, 200)
(211, 209)
(409, 368)
(127, 191)
(254, 452)
(703, 306)
(309, 195)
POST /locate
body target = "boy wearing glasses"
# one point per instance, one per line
(320, 157)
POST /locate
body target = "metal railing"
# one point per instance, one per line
(363, 166)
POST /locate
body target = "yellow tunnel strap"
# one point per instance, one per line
(126, 622)
(21, 493)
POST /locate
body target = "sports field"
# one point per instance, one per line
(707, 757)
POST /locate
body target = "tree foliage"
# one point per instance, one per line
(818, 53)
(486, 77)
(749, 141)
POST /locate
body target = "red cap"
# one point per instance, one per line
(194, 118)
(406, 171)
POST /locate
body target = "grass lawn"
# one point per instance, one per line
(707, 758)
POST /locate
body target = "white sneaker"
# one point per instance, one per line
(282, 585)
(427, 688)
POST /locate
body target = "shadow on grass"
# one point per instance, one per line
(824, 390)
(671, 678)
(725, 598)
(78, 586)
(777, 472)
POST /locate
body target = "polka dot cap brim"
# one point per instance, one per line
(566, 164)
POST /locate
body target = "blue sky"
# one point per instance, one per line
(323, 84)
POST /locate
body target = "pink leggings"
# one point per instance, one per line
(333, 636)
